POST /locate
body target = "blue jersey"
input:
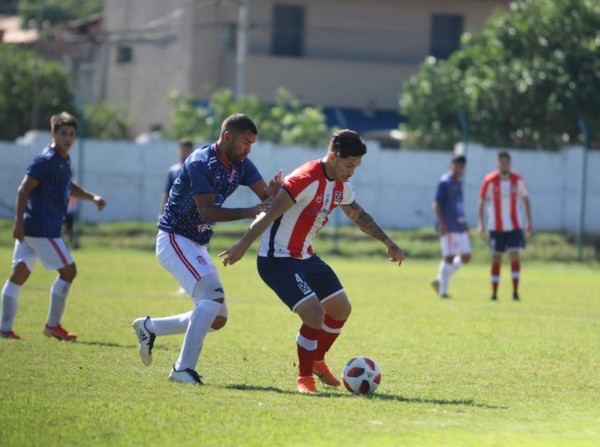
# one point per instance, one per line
(449, 196)
(203, 173)
(47, 203)
(173, 173)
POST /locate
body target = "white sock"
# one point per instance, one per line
(445, 272)
(456, 263)
(58, 298)
(10, 303)
(201, 319)
(176, 324)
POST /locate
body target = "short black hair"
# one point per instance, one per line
(62, 119)
(238, 123)
(347, 143)
(186, 142)
(459, 159)
(503, 154)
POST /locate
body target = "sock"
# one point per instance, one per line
(445, 272)
(330, 330)
(176, 324)
(495, 277)
(456, 263)
(58, 298)
(516, 273)
(10, 303)
(306, 341)
(200, 320)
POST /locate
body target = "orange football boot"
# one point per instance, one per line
(59, 333)
(324, 374)
(306, 385)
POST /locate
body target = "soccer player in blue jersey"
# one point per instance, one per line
(41, 205)
(451, 224)
(185, 148)
(208, 176)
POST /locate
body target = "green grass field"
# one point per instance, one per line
(459, 372)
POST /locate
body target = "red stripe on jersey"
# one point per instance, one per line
(305, 223)
(182, 257)
(61, 255)
(497, 199)
(514, 189)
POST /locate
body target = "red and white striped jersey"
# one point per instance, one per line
(316, 197)
(504, 196)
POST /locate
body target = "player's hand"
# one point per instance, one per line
(528, 230)
(19, 231)
(275, 185)
(481, 231)
(443, 229)
(395, 254)
(232, 255)
(99, 202)
(262, 207)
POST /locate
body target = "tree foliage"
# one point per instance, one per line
(17, 74)
(54, 12)
(284, 122)
(106, 122)
(523, 81)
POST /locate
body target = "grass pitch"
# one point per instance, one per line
(458, 372)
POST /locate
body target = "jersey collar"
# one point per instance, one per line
(227, 164)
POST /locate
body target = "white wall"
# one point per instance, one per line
(396, 187)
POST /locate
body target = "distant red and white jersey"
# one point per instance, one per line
(316, 197)
(504, 197)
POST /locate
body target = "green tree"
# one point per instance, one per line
(285, 121)
(106, 122)
(56, 11)
(523, 81)
(17, 74)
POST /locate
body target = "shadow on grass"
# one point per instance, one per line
(375, 396)
(105, 344)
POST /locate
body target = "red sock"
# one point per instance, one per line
(306, 341)
(329, 332)
(516, 273)
(495, 276)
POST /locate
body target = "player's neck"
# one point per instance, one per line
(504, 175)
(327, 168)
(59, 150)
(221, 155)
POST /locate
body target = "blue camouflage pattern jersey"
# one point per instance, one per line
(449, 195)
(203, 173)
(47, 203)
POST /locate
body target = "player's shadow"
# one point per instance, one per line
(375, 396)
(104, 344)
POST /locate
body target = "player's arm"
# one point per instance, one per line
(480, 211)
(266, 192)
(209, 212)
(367, 224)
(79, 193)
(23, 192)
(527, 206)
(281, 203)
(437, 209)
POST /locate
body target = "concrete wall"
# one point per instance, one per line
(397, 187)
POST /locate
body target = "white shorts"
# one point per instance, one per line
(53, 253)
(188, 262)
(455, 244)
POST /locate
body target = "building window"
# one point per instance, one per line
(288, 30)
(124, 55)
(445, 34)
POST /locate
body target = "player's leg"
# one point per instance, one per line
(55, 255)
(285, 276)
(497, 247)
(445, 268)
(24, 260)
(515, 244)
(460, 249)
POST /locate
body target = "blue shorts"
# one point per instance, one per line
(501, 241)
(296, 280)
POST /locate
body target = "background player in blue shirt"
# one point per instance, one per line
(42, 200)
(451, 224)
(185, 148)
(208, 176)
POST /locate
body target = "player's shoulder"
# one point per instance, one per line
(311, 168)
(516, 175)
(445, 177)
(491, 176)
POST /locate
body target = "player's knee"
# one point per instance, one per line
(219, 322)
(20, 274)
(465, 258)
(209, 288)
(314, 317)
(68, 273)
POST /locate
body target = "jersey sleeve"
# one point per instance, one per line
(440, 192)
(201, 181)
(483, 191)
(522, 188)
(39, 169)
(348, 196)
(251, 174)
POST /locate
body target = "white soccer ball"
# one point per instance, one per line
(361, 375)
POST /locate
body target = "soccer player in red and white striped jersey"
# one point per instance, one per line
(287, 262)
(506, 196)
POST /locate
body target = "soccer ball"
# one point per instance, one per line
(361, 375)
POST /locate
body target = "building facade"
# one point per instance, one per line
(339, 54)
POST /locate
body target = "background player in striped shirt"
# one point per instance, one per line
(287, 263)
(454, 233)
(506, 196)
(208, 176)
(42, 200)
(184, 149)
